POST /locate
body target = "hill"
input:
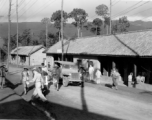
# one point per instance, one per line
(69, 29)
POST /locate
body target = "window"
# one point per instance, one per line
(13, 57)
(22, 59)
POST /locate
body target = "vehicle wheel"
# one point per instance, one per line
(65, 82)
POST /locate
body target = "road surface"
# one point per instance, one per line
(95, 102)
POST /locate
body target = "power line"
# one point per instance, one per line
(28, 9)
(127, 8)
(3, 6)
(21, 8)
(21, 3)
(141, 11)
(134, 8)
(43, 8)
(116, 2)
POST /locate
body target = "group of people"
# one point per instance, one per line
(139, 79)
(94, 75)
(40, 77)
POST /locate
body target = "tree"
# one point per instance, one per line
(121, 25)
(102, 10)
(79, 15)
(56, 18)
(52, 38)
(46, 21)
(26, 39)
(107, 23)
(97, 22)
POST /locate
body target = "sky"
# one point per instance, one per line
(36, 10)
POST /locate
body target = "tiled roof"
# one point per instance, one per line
(137, 43)
(26, 50)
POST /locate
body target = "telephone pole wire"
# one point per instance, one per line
(9, 32)
(62, 31)
(110, 16)
(17, 28)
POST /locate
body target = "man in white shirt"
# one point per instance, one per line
(98, 76)
(91, 71)
(38, 84)
(45, 75)
(130, 77)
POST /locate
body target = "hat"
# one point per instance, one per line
(34, 68)
(56, 65)
(25, 68)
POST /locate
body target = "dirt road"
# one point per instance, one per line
(96, 103)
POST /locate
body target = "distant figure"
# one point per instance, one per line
(142, 78)
(91, 72)
(130, 79)
(25, 79)
(3, 71)
(98, 76)
(138, 78)
(115, 76)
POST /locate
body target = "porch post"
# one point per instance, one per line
(135, 74)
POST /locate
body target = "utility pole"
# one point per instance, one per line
(110, 16)
(17, 28)
(46, 33)
(9, 32)
(62, 30)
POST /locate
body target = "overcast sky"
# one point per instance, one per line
(35, 10)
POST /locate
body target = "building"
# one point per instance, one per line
(128, 52)
(28, 55)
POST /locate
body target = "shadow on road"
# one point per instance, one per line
(12, 86)
(68, 113)
(108, 85)
(146, 92)
(19, 109)
(7, 97)
(83, 100)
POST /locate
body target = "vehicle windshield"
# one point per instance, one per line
(69, 66)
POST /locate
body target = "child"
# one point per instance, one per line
(25, 79)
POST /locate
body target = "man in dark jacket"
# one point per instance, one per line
(56, 76)
(3, 71)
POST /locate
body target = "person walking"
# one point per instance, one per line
(115, 76)
(3, 71)
(25, 79)
(38, 85)
(45, 75)
(56, 76)
(98, 76)
(91, 72)
(82, 72)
